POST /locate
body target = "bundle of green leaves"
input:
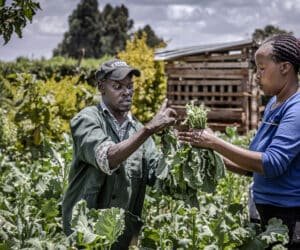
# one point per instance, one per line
(185, 169)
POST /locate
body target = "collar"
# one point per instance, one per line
(107, 111)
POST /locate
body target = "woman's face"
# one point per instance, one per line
(268, 75)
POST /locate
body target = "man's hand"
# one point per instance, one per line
(164, 117)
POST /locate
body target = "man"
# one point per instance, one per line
(114, 155)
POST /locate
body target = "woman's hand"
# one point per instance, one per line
(203, 138)
(246, 159)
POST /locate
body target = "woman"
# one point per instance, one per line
(274, 154)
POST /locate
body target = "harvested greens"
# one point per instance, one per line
(186, 169)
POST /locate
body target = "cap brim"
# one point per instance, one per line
(100, 74)
(121, 73)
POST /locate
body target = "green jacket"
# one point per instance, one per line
(125, 188)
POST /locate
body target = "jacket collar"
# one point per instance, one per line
(107, 111)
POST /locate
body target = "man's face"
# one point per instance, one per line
(117, 95)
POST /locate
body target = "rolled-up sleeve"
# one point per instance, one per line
(285, 144)
(91, 142)
(101, 157)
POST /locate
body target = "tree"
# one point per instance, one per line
(115, 25)
(153, 41)
(83, 37)
(95, 33)
(14, 18)
(260, 35)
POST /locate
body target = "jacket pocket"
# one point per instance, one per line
(134, 165)
(134, 170)
(92, 198)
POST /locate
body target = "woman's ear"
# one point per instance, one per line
(285, 67)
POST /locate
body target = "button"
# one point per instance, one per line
(113, 196)
(118, 171)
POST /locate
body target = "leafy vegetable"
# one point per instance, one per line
(196, 116)
(96, 228)
(188, 168)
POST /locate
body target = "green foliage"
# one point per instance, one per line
(42, 110)
(150, 88)
(8, 129)
(96, 229)
(260, 35)
(276, 234)
(14, 17)
(275, 231)
(189, 169)
(93, 33)
(219, 222)
(34, 176)
(36, 105)
(196, 116)
(153, 41)
(56, 67)
(30, 197)
(231, 135)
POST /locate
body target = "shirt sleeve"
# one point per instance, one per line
(101, 157)
(285, 145)
(91, 143)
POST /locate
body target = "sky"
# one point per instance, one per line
(181, 23)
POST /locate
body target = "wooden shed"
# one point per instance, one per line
(219, 75)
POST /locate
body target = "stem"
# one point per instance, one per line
(194, 231)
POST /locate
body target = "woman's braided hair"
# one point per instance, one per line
(286, 48)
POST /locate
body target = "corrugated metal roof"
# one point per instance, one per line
(165, 54)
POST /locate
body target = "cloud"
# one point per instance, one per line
(52, 25)
(180, 12)
(183, 23)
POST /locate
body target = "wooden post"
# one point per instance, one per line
(254, 105)
(245, 90)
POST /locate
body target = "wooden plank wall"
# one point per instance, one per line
(222, 81)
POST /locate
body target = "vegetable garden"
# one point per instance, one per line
(196, 203)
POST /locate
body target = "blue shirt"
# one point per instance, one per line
(278, 138)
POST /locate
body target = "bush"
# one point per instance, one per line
(56, 68)
(42, 109)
